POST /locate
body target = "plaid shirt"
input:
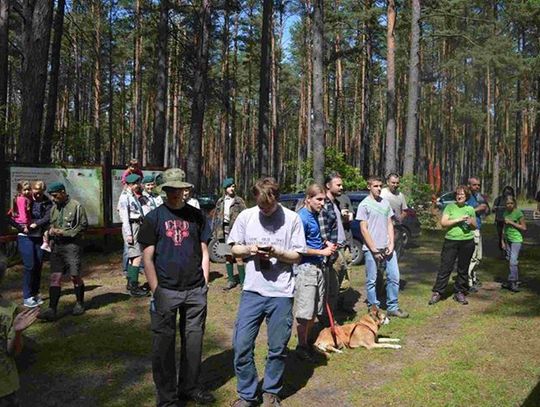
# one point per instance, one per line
(328, 222)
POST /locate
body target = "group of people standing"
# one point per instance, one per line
(291, 264)
(463, 239)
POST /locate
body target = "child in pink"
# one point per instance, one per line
(20, 211)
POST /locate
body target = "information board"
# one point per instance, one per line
(82, 184)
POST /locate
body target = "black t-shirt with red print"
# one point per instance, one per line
(177, 235)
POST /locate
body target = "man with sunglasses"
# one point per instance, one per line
(479, 203)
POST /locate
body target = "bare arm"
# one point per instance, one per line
(285, 256)
(390, 235)
(150, 267)
(521, 225)
(205, 262)
(243, 250)
(367, 237)
(21, 322)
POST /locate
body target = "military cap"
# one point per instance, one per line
(227, 182)
(56, 186)
(132, 179)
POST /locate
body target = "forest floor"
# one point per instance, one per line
(484, 354)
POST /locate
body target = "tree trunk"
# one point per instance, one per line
(390, 156)
(48, 134)
(96, 110)
(4, 71)
(35, 49)
(224, 124)
(194, 159)
(318, 108)
(136, 144)
(157, 153)
(264, 91)
(412, 103)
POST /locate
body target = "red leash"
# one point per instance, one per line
(332, 324)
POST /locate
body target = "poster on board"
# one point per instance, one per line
(82, 184)
(117, 188)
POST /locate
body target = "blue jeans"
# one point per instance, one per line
(253, 309)
(512, 255)
(392, 281)
(32, 258)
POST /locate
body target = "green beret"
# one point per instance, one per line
(56, 187)
(227, 182)
(132, 179)
(148, 179)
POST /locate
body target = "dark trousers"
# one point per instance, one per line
(500, 229)
(66, 257)
(191, 306)
(462, 250)
(32, 258)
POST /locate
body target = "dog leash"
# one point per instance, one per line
(332, 324)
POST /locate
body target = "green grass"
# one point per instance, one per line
(483, 354)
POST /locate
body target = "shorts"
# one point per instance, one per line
(134, 250)
(66, 258)
(309, 291)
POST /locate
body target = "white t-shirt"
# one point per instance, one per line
(397, 201)
(227, 203)
(376, 213)
(281, 229)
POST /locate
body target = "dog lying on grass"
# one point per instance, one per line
(362, 333)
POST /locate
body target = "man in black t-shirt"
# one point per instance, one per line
(176, 264)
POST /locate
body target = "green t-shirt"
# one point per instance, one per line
(9, 379)
(460, 231)
(511, 233)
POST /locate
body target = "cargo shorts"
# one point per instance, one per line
(309, 291)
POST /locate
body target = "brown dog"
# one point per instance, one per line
(362, 333)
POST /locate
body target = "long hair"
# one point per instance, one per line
(20, 187)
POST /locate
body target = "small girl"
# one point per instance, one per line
(20, 211)
(514, 225)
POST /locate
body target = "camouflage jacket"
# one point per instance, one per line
(237, 206)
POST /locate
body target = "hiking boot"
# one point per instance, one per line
(230, 285)
(511, 286)
(243, 403)
(271, 400)
(199, 396)
(48, 315)
(303, 353)
(435, 298)
(136, 291)
(460, 297)
(30, 302)
(78, 309)
(398, 313)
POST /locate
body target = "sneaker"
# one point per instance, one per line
(460, 297)
(230, 285)
(48, 315)
(511, 286)
(243, 403)
(199, 396)
(271, 400)
(303, 353)
(435, 298)
(78, 309)
(30, 302)
(38, 299)
(398, 313)
(473, 289)
(45, 247)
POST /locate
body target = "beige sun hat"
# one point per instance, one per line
(174, 178)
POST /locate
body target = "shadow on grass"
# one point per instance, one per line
(216, 370)
(533, 399)
(215, 275)
(298, 373)
(103, 300)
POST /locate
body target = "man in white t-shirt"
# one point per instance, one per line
(270, 239)
(375, 216)
(392, 194)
